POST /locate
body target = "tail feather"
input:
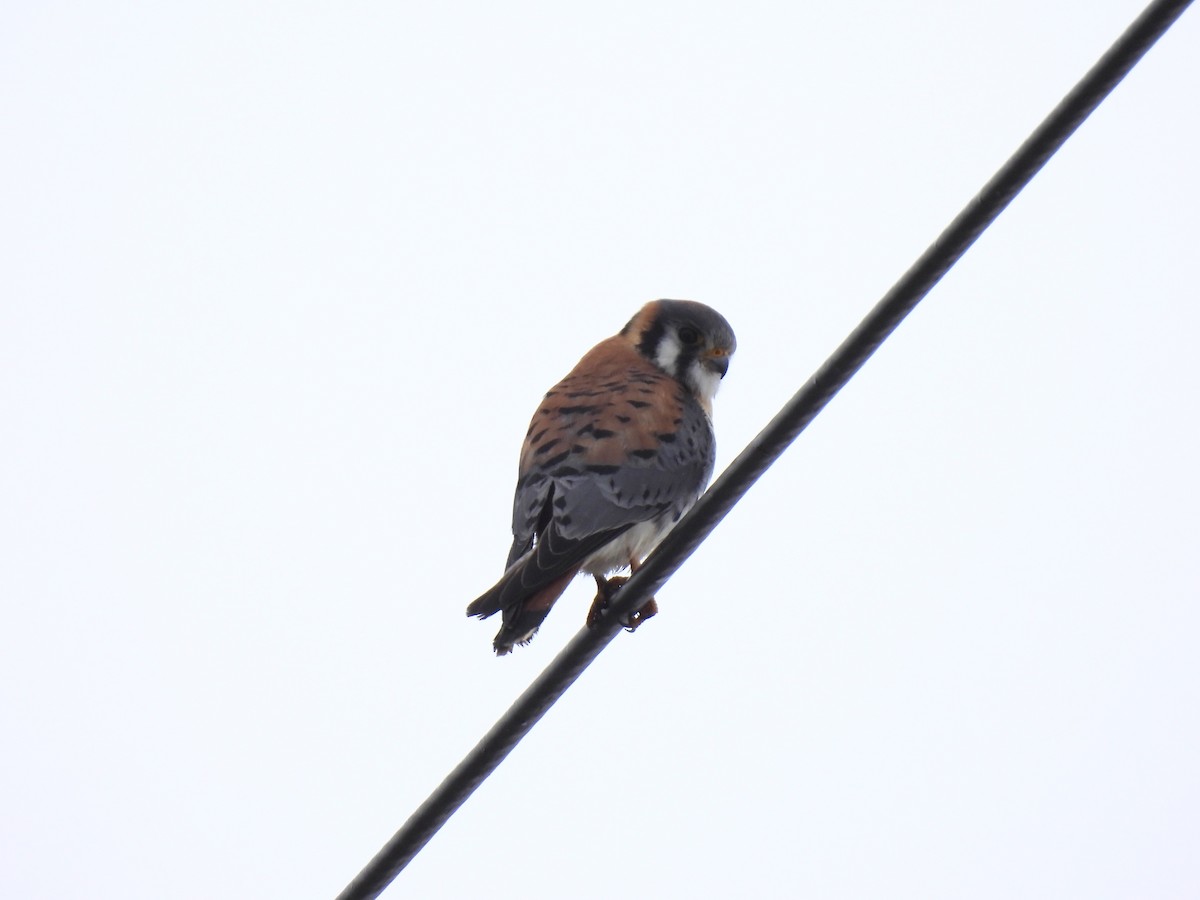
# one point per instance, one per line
(497, 596)
(529, 587)
(522, 620)
(542, 566)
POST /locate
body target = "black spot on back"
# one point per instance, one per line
(556, 459)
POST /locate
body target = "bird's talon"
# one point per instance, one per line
(605, 589)
(596, 613)
(648, 611)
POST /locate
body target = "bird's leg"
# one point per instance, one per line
(605, 591)
(605, 588)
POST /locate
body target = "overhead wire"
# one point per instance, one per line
(767, 447)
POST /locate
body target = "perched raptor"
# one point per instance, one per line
(616, 453)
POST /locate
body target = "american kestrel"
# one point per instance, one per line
(616, 453)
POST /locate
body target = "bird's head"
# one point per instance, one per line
(687, 340)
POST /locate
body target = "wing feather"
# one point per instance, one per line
(615, 443)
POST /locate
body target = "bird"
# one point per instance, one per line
(615, 454)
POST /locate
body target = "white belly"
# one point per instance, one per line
(633, 544)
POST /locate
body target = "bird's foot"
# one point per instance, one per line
(606, 589)
(648, 611)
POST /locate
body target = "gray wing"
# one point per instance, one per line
(599, 459)
(592, 494)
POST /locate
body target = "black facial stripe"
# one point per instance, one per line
(648, 346)
(663, 328)
(687, 356)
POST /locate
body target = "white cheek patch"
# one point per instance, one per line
(667, 353)
(704, 381)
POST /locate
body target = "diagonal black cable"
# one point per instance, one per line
(768, 446)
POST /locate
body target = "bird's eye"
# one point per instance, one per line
(689, 335)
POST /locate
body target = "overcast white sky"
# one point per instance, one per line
(280, 287)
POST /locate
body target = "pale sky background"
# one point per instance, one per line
(280, 285)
